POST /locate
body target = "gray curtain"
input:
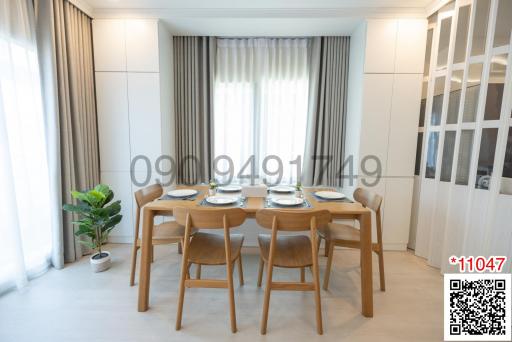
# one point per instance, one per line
(67, 72)
(194, 64)
(324, 151)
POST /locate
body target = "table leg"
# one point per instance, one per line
(365, 221)
(145, 261)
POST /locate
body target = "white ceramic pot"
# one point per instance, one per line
(100, 264)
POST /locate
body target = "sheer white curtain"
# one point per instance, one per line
(25, 222)
(261, 104)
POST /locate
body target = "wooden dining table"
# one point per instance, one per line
(338, 210)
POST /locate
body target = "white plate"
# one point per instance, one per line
(288, 202)
(181, 193)
(217, 200)
(333, 195)
(282, 189)
(230, 188)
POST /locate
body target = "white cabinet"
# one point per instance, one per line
(403, 124)
(131, 118)
(397, 213)
(142, 45)
(109, 45)
(380, 46)
(113, 124)
(144, 116)
(410, 46)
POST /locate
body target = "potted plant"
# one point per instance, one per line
(212, 187)
(97, 217)
(298, 190)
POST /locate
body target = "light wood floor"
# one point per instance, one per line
(76, 305)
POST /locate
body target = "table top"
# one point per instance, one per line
(253, 204)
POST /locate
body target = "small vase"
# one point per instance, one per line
(211, 192)
(298, 194)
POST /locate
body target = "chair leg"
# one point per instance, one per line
(231, 294)
(266, 300)
(302, 275)
(185, 265)
(240, 270)
(134, 264)
(188, 271)
(327, 247)
(381, 270)
(328, 266)
(260, 272)
(198, 271)
(180, 249)
(316, 282)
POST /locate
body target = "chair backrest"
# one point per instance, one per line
(148, 194)
(368, 199)
(210, 218)
(288, 220)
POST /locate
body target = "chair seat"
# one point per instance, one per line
(291, 251)
(338, 231)
(209, 249)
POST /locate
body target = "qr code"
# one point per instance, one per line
(477, 307)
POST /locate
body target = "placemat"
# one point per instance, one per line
(343, 200)
(270, 204)
(240, 203)
(172, 198)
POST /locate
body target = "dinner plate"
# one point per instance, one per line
(333, 195)
(182, 193)
(218, 200)
(282, 189)
(288, 202)
(230, 188)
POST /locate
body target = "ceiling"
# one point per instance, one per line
(257, 17)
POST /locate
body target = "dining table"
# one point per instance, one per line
(338, 210)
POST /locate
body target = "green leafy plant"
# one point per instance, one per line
(213, 184)
(97, 216)
(298, 186)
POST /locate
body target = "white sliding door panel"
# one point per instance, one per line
(380, 46)
(475, 234)
(113, 125)
(144, 116)
(437, 229)
(377, 90)
(109, 44)
(142, 45)
(501, 229)
(403, 125)
(121, 185)
(410, 46)
(397, 212)
(426, 208)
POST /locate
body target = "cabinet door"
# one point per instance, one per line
(121, 185)
(405, 108)
(397, 212)
(109, 44)
(142, 45)
(380, 46)
(410, 46)
(113, 126)
(145, 120)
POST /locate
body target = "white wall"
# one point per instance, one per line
(386, 68)
(133, 65)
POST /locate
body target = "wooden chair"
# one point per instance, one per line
(292, 251)
(163, 234)
(336, 234)
(210, 249)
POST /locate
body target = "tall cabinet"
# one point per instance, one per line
(133, 70)
(386, 71)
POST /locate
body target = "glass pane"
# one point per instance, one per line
(419, 145)
(447, 162)
(444, 42)
(503, 23)
(486, 158)
(454, 99)
(464, 160)
(506, 181)
(433, 142)
(423, 103)
(495, 87)
(461, 38)
(428, 52)
(437, 102)
(480, 28)
(472, 92)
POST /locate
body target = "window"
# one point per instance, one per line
(437, 102)
(495, 87)
(419, 145)
(444, 42)
(503, 23)
(461, 38)
(480, 27)
(261, 100)
(506, 181)
(472, 92)
(433, 142)
(447, 162)
(454, 98)
(486, 158)
(464, 161)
